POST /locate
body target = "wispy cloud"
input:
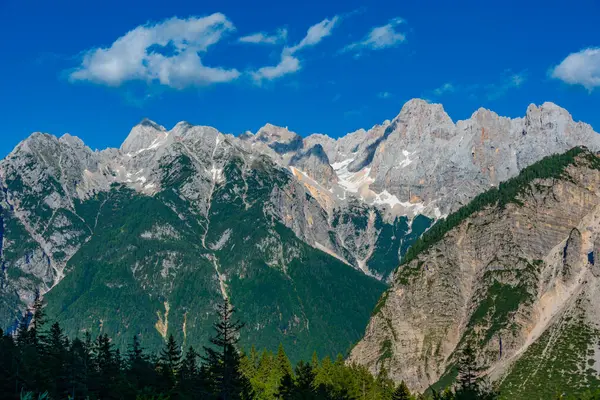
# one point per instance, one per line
(289, 62)
(380, 37)
(581, 68)
(512, 81)
(445, 88)
(384, 95)
(167, 52)
(287, 65)
(279, 36)
(315, 34)
(490, 91)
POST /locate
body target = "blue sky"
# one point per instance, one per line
(315, 66)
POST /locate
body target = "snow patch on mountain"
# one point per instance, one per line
(407, 160)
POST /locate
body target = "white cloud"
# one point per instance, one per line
(315, 34)
(166, 52)
(262, 38)
(581, 68)
(384, 95)
(289, 63)
(445, 88)
(380, 37)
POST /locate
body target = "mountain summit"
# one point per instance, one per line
(283, 226)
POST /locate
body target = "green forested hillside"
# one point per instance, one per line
(154, 267)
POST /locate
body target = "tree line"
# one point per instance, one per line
(39, 362)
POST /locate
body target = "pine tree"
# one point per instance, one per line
(469, 386)
(107, 365)
(38, 318)
(135, 354)
(401, 392)
(30, 371)
(287, 388)
(77, 370)
(315, 361)
(170, 360)
(189, 382)
(55, 347)
(283, 362)
(325, 373)
(265, 366)
(247, 367)
(8, 365)
(305, 380)
(384, 383)
(467, 369)
(222, 360)
(140, 372)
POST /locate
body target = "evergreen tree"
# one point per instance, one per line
(305, 378)
(222, 360)
(189, 380)
(470, 387)
(283, 362)
(140, 372)
(55, 347)
(169, 361)
(315, 361)
(384, 383)
(78, 360)
(467, 369)
(287, 388)
(248, 364)
(30, 374)
(401, 392)
(107, 367)
(8, 366)
(38, 318)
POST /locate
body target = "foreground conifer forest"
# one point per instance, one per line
(39, 362)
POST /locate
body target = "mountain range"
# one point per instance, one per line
(303, 235)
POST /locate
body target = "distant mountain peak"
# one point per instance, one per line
(143, 136)
(149, 123)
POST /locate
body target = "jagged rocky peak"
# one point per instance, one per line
(280, 139)
(247, 135)
(330, 145)
(181, 127)
(483, 115)
(143, 136)
(35, 141)
(72, 141)
(317, 152)
(551, 117)
(271, 132)
(315, 163)
(419, 120)
(50, 152)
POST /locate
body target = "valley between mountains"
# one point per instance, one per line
(395, 245)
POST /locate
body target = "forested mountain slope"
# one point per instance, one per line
(515, 274)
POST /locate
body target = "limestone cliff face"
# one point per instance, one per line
(500, 279)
